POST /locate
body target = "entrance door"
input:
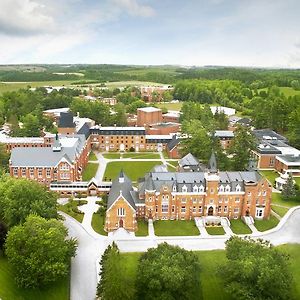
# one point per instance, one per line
(210, 211)
(247, 213)
(121, 223)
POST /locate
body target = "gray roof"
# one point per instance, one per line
(268, 134)
(66, 120)
(224, 133)
(45, 156)
(188, 160)
(125, 188)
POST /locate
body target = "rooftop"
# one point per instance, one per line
(149, 109)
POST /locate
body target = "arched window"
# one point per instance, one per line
(184, 189)
(201, 189)
(238, 188)
(195, 189)
(221, 189)
(227, 189)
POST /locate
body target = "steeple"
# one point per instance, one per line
(212, 164)
(56, 145)
(121, 176)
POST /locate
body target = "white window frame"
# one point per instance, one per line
(121, 212)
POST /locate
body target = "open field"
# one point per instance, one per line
(133, 169)
(170, 106)
(216, 230)
(175, 228)
(98, 223)
(142, 228)
(113, 85)
(239, 227)
(210, 261)
(10, 291)
(287, 91)
(89, 171)
(145, 70)
(263, 225)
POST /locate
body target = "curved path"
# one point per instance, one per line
(91, 245)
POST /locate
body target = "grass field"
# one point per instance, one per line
(270, 175)
(175, 228)
(10, 291)
(89, 171)
(111, 155)
(141, 155)
(277, 199)
(216, 230)
(71, 208)
(133, 169)
(93, 156)
(174, 165)
(287, 91)
(239, 227)
(170, 106)
(113, 85)
(281, 211)
(142, 228)
(263, 225)
(13, 86)
(210, 261)
(98, 223)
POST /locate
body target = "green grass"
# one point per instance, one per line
(277, 199)
(141, 155)
(270, 175)
(239, 227)
(113, 85)
(98, 223)
(170, 106)
(71, 208)
(216, 230)
(263, 225)
(175, 228)
(281, 211)
(288, 91)
(142, 228)
(174, 165)
(89, 171)
(133, 169)
(111, 155)
(93, 156)
(211, 283)
(10, 291)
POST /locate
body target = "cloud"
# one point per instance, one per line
(132, 7)
(24, 17)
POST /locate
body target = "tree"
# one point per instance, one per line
(31, 125)
(243, 143)
(255, 270)
(119, 117)
(168, 272)
(4, 158)
(39, 251)
(114, 282)
(3, 233)
(288, 189)
(21, 197)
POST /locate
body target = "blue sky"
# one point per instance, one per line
(212, 32)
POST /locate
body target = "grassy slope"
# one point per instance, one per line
(9, 290)
(263, 225)
(277, 199)
(175, 228)
(239, 227)
(98, 224)
(210, 261)
(281, 211)
(215, 230)
(270, 175)
(133, 169)
(90, 171)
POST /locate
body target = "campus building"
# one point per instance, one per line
(154, 93)
(186, 195)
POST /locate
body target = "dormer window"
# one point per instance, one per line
(184, 189)
(174, 188)
(238, 188)
(195, 189)
(201, 189)
(221, 189)
(227, 189)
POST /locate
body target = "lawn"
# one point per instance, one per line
(89, 171)
(133, 169)
(111, 155)
(263, 225)
(175, 228)
(93, 156)
(277, 199)
(216, 230)
(142, 228)
(281, 211)
(113, 85)
(71, 208)
(10, 291)
(239, 227)
(98, 223)
(210, 261)
(170, 106)
(270, 175)
(141, 155)
(172, 165)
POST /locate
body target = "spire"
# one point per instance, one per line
(212, 165)
(56, 145)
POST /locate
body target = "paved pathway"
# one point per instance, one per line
(151, 228)
(91, 245)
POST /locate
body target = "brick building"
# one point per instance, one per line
(186, 195)
(154, 93)
(225, 136)
(148, 115)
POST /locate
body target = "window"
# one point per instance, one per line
(184, 189)
(200, 209)
(48, 172)
(259, 212)
(226, 200)
(220, 200)
(195, 189)
(164, 208)
(237, 200)
(23, 172)
(121, 212)
(173, 208)
(31, 172)
(150, 199)
(183, 200)
(236, 210)
(182, 209)
(211, 201)
(194, 209)
(40, 172)
(238, 188)
(194, 200)
(272, 161)
(264, 193)
(219, 209)
(221, 189)
(249, 194)
(201, 189)
(227, 189)
(156, 208)
(64, 167)
(211, 190)
(174, 188)
(225, 209)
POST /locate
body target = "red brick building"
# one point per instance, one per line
(148, 115)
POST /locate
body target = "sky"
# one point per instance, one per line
(264, 33)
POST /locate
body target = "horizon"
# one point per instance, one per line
(220, 33)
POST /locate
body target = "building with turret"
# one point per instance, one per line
(186, 195)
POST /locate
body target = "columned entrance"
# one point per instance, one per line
(210, 211)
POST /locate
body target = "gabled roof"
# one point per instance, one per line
(173, 143)
(188, 160)
(66, 120)
(121, 188)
